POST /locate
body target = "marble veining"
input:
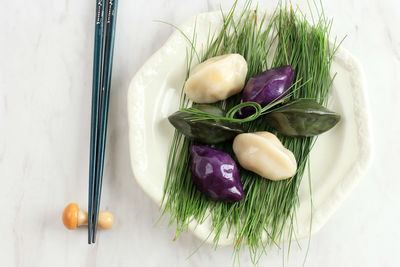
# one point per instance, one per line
(45, 96)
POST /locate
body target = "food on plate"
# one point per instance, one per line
(271, 85)
(302, 117)
(216, 78)
(205, 131)
(215, 174)
(279, 48)
(264, 154)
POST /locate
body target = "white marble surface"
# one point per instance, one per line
(45, 89)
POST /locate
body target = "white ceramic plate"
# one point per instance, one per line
(338, 159)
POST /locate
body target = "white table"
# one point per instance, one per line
(45, 97)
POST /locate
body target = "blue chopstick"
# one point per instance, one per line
(111, 17)
(96, 88)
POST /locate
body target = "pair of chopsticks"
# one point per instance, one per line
(106, 15)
